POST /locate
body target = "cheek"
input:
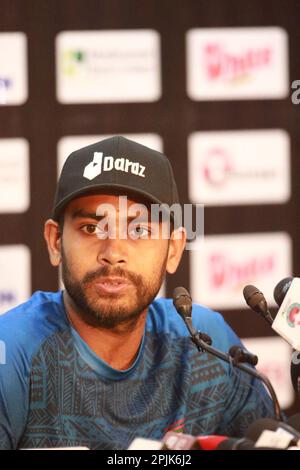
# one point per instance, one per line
(78, 251)
(75, 262)
(151, 258)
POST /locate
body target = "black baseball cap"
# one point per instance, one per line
(115, 164)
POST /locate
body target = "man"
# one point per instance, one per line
(103, 362)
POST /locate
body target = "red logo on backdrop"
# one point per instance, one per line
(223, 65)
(217, 167)
(224, 272)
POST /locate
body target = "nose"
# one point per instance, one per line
(112, 252)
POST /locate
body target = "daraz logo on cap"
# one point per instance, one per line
(108, 163)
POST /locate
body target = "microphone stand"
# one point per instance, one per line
(199, 338)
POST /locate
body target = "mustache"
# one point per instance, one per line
(106, 271)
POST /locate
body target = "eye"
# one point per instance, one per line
(139, 231)
(91, 229)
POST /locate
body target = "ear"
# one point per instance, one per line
(176, 247)
(53, 239)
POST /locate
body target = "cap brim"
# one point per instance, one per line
(100, 189)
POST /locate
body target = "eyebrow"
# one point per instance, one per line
(82, 214)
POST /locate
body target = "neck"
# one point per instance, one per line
(118, 347)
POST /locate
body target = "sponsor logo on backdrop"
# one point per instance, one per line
(239, 167)
(217, 166)
(237, 63)
(108, 66)
(13, 73)
(221, 64)
(224, 264)
(278, 371)
(7, 297)
(14, 175)
(73, 60)
(5, 82)
(15, 285)
(226, 272)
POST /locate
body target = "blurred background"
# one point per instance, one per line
(211, 83)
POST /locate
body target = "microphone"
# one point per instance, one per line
(228, 443)
(286, 295)
(224, 443)
(178, 441)
(255, 299)
(294, 422)
(182, 301)
(282, 436)
(141, 443)
(180, 295)
(242, 355)
(287, 320)
(281, 289)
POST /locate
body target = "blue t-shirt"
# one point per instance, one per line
(55, 391)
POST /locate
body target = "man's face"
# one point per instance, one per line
(110, 280)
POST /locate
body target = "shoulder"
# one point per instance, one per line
(25, 327)
(22, 331)
(163, 318)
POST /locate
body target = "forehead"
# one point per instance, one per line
(92, 203)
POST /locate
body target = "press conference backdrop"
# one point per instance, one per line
(207, 82)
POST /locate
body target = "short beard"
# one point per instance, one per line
(110, 316)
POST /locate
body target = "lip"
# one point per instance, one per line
(112, 284)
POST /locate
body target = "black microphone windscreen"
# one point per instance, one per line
(257, 427)
(255, 299)
(182, 301)
(294, 421)
(248, 291)
(179, 292)
(236, 444)
(281, 289)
